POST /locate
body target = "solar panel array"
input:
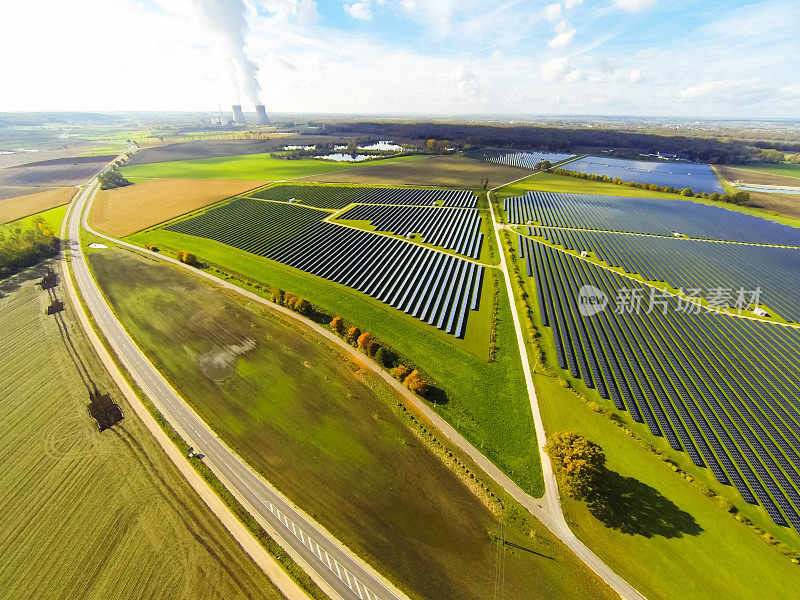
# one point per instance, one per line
(516, 158)
(457, 229)
(724, 389)
(438, 288)
(328, 196)
(697, 176)
(335, 197)
(695, 264)
(645, 215)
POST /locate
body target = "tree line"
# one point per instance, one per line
(23, 248)
(625, 144)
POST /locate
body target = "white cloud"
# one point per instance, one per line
(464, 80)
(552, 12)
(359, 10)
(304, 11)
(562, 40)
(635, 5)
(572, 3)
(709, 88)
(555, 69)
(565, 34)
(635, 76)
(559, 70)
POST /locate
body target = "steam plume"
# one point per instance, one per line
(228, 20)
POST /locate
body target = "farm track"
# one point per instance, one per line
(548, 509)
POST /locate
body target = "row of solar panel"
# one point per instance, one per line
(645, 215)
(452, 228)
(436, 287)
(724, 389)
(733, 275)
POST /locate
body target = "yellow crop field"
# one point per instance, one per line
(15, 208)
(87, 514)
(126, 210)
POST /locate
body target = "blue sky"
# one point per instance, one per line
(609, 57)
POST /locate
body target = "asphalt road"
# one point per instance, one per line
(349, 577)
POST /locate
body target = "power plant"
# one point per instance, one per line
(238, 115)
(261, 115)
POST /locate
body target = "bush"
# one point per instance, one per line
(186, 258)
(297, 304)
(353, 334)
(400, 372)
(416, 383)
(366, 343)
(686, 192)
(338, 326)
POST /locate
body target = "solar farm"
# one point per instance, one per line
(334, 197)
(646, 215)
(513, 158)
(723, 388)
(432, 285)
(697, 176)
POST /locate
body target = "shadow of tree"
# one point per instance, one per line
(635, 508)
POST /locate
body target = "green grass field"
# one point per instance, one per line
(89, 514)
(656, 513)
(52, 217)
(246, 166)
(321, 427)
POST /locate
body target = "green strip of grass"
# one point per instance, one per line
(52, 217)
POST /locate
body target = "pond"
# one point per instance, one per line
(770, 190)
(340, 157)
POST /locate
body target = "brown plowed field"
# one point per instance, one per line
(130, 209)
(445, 171)
(784, 204)
(15, 208)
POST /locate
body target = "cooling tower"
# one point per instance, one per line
(238, 115)
(261, 115)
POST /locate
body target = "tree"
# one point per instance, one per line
(186, 257)
(366, 342)
(337, 324)
(353, 334)
(400, 372)
(112, 179)
(580, 463)
(416, 383)
(739, 197)
(544, 165)
(686, 192)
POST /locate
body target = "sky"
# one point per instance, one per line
(687, 58)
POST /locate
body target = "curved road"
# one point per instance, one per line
(323, 555)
